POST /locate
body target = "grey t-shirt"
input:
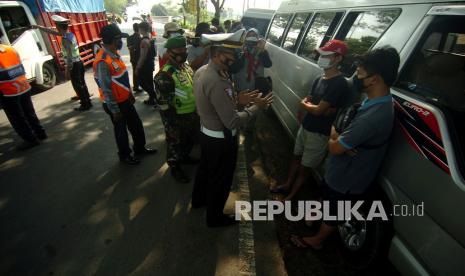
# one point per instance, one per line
(370, 128)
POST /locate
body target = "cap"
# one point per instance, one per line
(171, 27)
(109, 33)
(60, 19)
(228, 40)
(333, 46)
(176, 42)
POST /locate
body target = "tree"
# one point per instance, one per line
(218, 4)
(115, 6)
(159, 10)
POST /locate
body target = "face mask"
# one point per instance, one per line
(358, 83)
(174, 35)
(234, 65)
(179, 58)
(324, 62)
(6, 24)
(119, 44)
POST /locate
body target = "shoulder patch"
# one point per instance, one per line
(229, 92)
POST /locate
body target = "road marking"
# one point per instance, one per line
(246, 237)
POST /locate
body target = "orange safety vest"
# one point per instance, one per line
(120, 86)
(13, 81)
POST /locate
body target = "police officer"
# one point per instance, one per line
(74, 68)
(179, 117)
(218, 106)
(115, 92)
(15, 97)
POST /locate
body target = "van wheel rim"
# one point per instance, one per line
(353, 234)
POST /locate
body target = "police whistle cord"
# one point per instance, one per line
(246, 237)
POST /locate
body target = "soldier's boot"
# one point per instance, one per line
(178, 174)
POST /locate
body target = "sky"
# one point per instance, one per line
(236, 5)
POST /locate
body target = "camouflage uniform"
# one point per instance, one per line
(181, 130)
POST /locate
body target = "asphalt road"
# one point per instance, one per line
(68, 207)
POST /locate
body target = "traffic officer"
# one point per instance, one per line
(179, 117)
(118, 102)
(74, 67)
(218, 106)
(15, 97)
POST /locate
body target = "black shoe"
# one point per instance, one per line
(150, 102)
(42, 136)
(27, 145)
(137, 90)
(83, 107)
(223, 221)
(190, 161)
(146, 151)
(179, 175)
(129, 160)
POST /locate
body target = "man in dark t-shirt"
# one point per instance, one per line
(133, 42)
(329, 93)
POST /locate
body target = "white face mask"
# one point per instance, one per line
(324, 62)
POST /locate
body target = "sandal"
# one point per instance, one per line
(299, 241)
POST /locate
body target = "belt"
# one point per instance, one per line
(215, 133)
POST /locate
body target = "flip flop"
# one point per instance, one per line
(279, 190)
(301, 243)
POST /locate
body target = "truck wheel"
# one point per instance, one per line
(366, 243)
(49, 75)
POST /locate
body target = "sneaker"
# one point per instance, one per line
(137, 90)
(179, 175)
(130, 160)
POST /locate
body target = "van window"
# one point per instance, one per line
(261, 24)
(295, 31)
(321, 30)
(360, 30)
(435, 72)
(15, 22)
(278, 26)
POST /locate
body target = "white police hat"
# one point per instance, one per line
(59, 19)
(228, 40)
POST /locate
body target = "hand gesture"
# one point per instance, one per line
(245, 97)
(261, 45)
(264, 102)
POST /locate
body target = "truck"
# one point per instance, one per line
(40, 52)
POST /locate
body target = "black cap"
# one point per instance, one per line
(110, 33)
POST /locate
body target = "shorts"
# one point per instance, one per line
(312, 146)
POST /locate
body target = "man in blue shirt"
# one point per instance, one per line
(329, 93)
(357, 152)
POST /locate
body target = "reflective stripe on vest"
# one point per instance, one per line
(120, 86)
(13, 81)
(183, 99)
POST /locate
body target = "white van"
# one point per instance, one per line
(426, 159)
(258, 19)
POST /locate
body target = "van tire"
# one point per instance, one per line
(50, 77)
(375, 247)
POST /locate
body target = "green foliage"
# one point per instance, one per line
(360, 46)
(115, 6)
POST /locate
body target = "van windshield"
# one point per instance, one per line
(258, 23)
(15, 22)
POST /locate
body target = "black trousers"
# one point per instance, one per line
(78, 82)
(131, 122)
(146, 82)
(215, 174)
(135, 80)
(22, 116)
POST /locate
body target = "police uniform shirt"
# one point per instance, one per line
(216, 100)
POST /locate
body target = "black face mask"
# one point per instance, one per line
(179, 58)
(358, 83)
(234, 65)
